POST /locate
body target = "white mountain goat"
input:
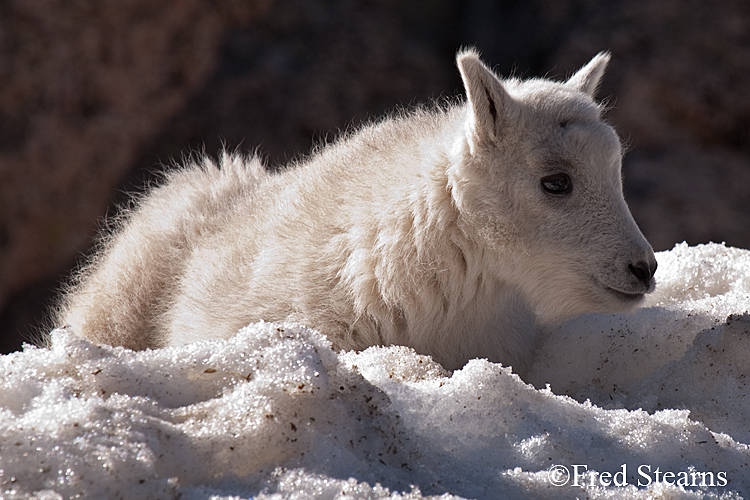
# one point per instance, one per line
(462, 232)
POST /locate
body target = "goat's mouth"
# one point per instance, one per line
(627, 297)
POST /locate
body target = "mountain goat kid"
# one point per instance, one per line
(464, 231)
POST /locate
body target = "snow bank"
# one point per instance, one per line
(651, 404)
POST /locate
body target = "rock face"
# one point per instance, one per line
(83, 87)
(95, 95)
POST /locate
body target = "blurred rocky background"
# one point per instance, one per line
(95, 97)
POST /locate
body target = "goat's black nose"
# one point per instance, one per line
(643, 270)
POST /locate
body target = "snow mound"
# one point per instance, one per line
(633, 406)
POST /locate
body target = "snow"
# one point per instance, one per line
(634, 406)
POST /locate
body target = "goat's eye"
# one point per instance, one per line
(557, 184)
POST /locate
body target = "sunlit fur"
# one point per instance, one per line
(428, 229)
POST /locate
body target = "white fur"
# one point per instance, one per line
(430, 229)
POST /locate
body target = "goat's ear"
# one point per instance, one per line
(587, 78)
(488, 99)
